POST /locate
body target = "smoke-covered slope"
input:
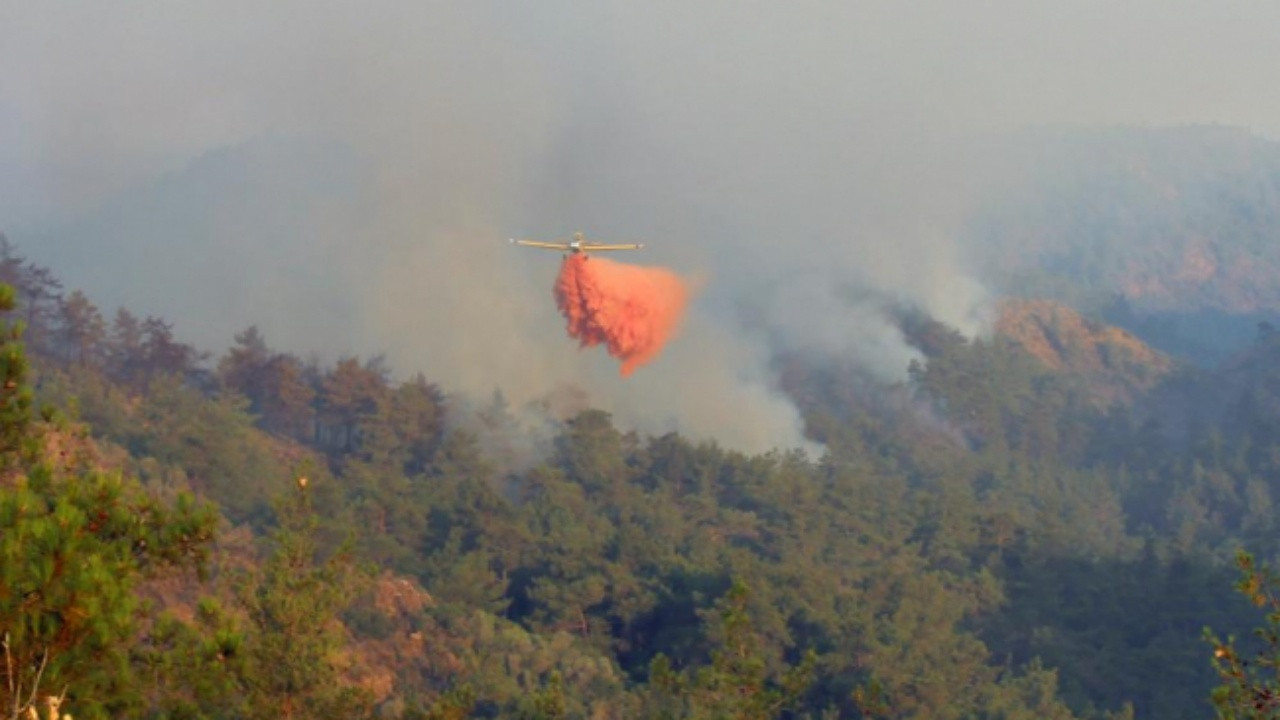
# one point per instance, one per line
(266, 229)
(1169, 220)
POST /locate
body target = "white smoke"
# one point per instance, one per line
(344, 175)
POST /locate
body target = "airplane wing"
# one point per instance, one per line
(591, 247)
(537, 244)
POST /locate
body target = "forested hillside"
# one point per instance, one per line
(1175, 218)
(1036, 525)
(1169, 232)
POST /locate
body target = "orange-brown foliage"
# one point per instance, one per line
(1117, 362)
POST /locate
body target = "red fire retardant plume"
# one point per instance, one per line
(631, 310)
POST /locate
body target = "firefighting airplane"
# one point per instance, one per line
(577, 245)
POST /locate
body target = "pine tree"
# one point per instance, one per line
(1250, 688)
(737, 684)
(74, 542)
(349, 394)
(294, 633)
(16, 441)
(81, 331)
(125, 355)
(242, 367)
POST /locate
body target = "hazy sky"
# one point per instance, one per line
(345, 174)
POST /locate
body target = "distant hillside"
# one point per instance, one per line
(1117, 364)
(1168, 220)
(1237, 398)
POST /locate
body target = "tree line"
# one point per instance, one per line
(983, 540)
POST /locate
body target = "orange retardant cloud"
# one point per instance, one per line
(631, 310)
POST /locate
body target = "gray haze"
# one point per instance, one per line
(345, 175)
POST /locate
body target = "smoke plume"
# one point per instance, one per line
(631, 310)
(344, 175)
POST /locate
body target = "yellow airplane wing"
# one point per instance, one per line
(537, 244)
(591, 247)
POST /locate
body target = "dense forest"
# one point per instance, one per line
(1037, 524)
